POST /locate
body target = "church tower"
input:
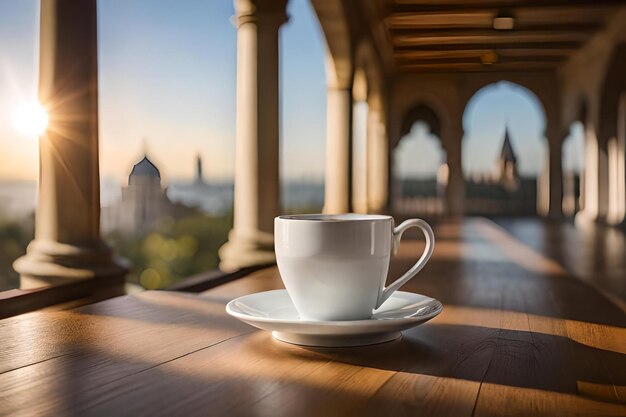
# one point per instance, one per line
(199, 177)
(507, 174)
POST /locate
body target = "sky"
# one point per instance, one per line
(167, 84)
(167, 87)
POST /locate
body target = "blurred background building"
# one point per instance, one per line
(143, 203)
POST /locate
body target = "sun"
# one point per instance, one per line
(31, 119)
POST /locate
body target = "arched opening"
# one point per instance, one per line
(573, 165)
(419, 165)
(504, 149)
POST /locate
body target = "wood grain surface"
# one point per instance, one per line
(520, 335)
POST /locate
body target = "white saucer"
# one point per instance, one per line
(274, 311)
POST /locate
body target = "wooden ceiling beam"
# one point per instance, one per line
(457, 6)
(476, 60)
(488, 37)
(453, 35)
(572, 31)
(571, 45)
(585, 27)
(412, 54)
(478, 67)
(524, 18)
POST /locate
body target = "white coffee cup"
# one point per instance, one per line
(335, 266)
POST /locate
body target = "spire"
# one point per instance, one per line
(144, 147)
(507, 154)
(199, 178)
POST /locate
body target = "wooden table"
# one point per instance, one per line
(519, 336)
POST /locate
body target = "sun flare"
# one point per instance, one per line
(31, 119)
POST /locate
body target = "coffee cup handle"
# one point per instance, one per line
(428, 251)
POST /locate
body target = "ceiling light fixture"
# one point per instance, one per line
(489, 58)
(504, 20)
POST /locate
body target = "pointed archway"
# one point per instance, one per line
(504, 149)
(419, 169)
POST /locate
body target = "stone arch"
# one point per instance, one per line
(582, 112)
(339, 63)
(421, 112)
(366, 63)
(478, 89)
(541, 97)
(427, 108)
(541, 89)
(419, 194)
(500, 186)
(359, 85)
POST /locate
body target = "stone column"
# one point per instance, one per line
(455, 189)
(569, 191)
(257, 186)
(603, 180)
(67, 245)
(595, 178)
(613, 215)
(358, 198)
(543, 188)
(338, 133)
(555, 170)
(550, 181)
(377, 171)
(617, 169)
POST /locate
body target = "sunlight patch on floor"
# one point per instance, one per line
(598, 336)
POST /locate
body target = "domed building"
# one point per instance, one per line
(144, 172)
(144, 201)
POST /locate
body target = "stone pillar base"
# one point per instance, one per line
(51, 263)
(244, 251)
(584, 219)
